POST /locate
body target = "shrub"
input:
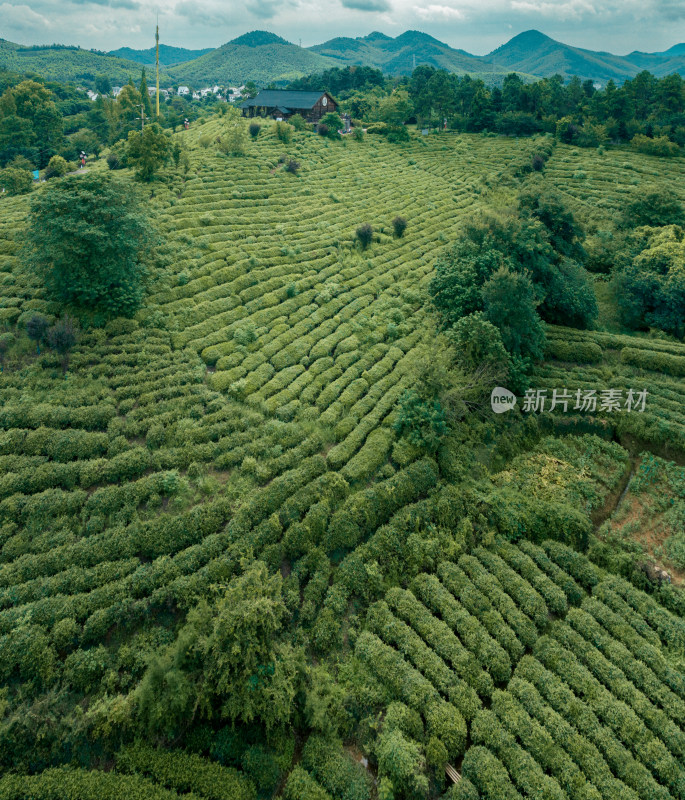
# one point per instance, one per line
(37, 328)
(333, 124)
(301, 786)
(538, 162)
(292, 166)
(254, 129)
(185, 772)
(298, 122)
(649, 359)
(62, 337)
(399, 225)
(398, 133)
(284, 132)
(16, 181)
(358, 133)
(658, 146)
(578, 352)
(654, 206)
(364, 234)
(57, 167)
(322, 129)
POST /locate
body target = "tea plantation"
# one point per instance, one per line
(233, 450)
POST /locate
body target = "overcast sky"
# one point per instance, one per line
(477, 26)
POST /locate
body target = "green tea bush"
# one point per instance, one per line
(658, 362)
(578, 352)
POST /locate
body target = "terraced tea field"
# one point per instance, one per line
(247, 412)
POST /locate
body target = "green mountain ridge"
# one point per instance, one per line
(399, 56)
(534, 52)
(257, 56)
(168, 55)
(66, 63)
(265, 57)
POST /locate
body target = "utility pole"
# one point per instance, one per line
(157, 62)
(142, 116)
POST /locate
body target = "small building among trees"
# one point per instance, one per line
(282, 104)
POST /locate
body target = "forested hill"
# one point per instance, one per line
(535, 53)
(168, 56)
(67, 64)
(258, 56)
(264, 57)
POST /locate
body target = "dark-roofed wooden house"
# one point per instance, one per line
(282, 104)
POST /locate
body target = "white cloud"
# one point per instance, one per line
(570, 9)
(23, 18)
(435, 12)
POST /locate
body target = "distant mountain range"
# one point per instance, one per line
(533, 52)
(257, 56)
(64, 63)
(168, 56)
(399, 56)
(265, 58)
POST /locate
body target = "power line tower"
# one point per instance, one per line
(157, 61)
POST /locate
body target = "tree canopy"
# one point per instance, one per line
(85, 238)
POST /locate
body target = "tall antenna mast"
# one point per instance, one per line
(157, 61)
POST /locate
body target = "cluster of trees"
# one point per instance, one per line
(340, 81)
(39, 120)
(577, 112)
(507, 273)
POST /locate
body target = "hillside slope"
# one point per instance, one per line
(67, 64)
(258, 56)
(538, 54)
(398, 56)
(168, 56)
(244, 424)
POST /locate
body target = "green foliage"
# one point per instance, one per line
(254, 129)
(147, 151)
(16, 181)
(62, 337)
(301, 786)
(578, 352)
(234, 141)
(284, 132)
(184, 772)
(656, 146)
(653, 206)
(227, 654)
(364, 235)
(651, 289)
(340, 776)
(658, 362)
(399, 226)
(57, 167)
(402, 761)
(509, 303)
(422, 421)
(478, 346)
(85, 238)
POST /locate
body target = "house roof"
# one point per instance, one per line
(281, 98)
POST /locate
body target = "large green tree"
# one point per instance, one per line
(228, 661)
(85, 237)
(650, 288)
(148, 150)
